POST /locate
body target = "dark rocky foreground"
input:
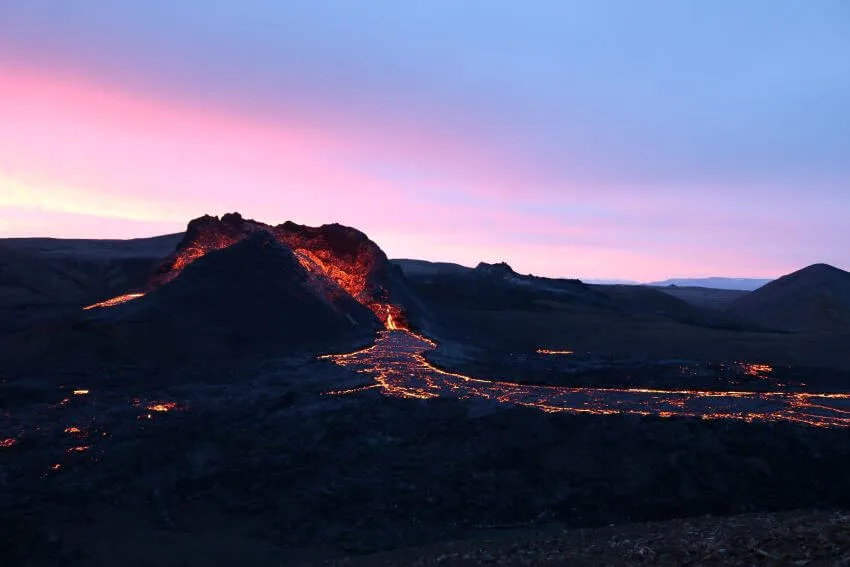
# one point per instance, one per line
(194, 425)
(800, 538)
(256, 466)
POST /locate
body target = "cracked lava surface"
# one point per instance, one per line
(397, 363)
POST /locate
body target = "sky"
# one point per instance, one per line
(589, 138)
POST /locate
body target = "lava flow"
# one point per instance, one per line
(397, 364)
(114, 301)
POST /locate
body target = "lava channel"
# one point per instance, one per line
(396, 362)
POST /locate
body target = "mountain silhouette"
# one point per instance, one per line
(816, 298)
(742, 284)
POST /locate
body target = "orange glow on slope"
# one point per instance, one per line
(349, 273)
(335, 266)
(114, 301)
(758, 370)
(390, 323)
(162, 406)
(81, 392)
(397, 364)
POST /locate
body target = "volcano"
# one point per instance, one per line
(252, 294)
(232, 286)
(340, 261)
(816, 298)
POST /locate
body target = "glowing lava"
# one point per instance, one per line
(338, 260)
(757, 370)
(8, 442)
(162, 406)
(397, 364)
(81, 392)
(554, 352)
(391, 326)
(114, 301)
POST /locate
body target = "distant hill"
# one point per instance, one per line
(424, 268)
(90, 248)
(609, 281)
(745, 284)
(39, 275)
(816, 298)
(707, 297)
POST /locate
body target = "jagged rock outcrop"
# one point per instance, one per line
(499, 270)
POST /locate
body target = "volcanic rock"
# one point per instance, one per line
(500, 270)
(339, 259)
(816, 298)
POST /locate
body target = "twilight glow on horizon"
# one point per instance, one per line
(577, 138)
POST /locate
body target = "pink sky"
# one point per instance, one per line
(82, 157)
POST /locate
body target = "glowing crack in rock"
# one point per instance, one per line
(396, 362)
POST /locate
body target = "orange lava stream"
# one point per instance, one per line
(162, 406)
(554, 352)
(391, 326)
(399, 368)
(114, 301)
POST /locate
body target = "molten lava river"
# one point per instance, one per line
(397, 363)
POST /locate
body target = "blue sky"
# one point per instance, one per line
(593, 138)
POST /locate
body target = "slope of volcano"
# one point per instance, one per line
(251, 296)
(340, 260)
